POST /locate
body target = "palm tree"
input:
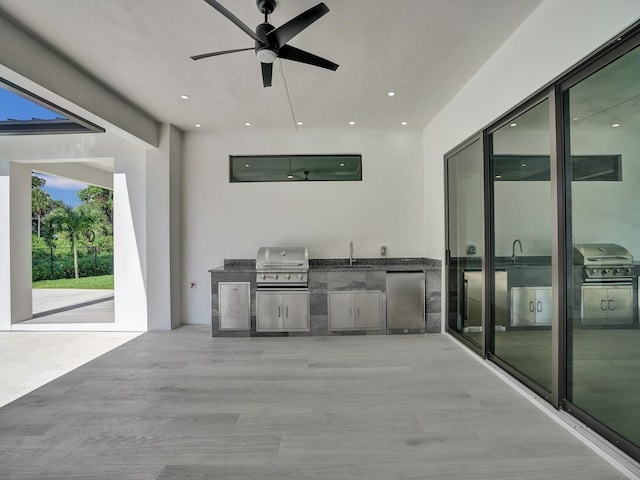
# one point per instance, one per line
(75, 222)
(41, 204)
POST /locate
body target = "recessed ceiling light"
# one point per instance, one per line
(247, 165)
(352, 122)
(197, 125)
(575, 119)
(403, 123)
(615, 125)
(513, 124)
(247, 124)
(342, 164)
(498, 176)
(523, 165)
(391, 94)
(184, 97)
(299, 123)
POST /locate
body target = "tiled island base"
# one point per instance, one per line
(359, 291)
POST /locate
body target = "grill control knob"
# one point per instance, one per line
(300, 276)
(629, 271)
(288, 276)
(605, 271)
(264, 276)
(619, 270)
(594, 271)
(275, 277)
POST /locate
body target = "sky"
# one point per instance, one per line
(15, 107)
(64, 189)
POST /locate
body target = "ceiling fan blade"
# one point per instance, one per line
(292, 53)
(287, 31)
(234, 19)
(267, 74)
(222, 52)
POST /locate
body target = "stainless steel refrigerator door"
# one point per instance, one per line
(405, 300)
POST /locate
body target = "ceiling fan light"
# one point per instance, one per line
(266, 55)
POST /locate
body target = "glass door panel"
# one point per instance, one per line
(602, 116)
(465, 219)
(522, 236)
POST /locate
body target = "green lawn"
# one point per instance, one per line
(102, 282)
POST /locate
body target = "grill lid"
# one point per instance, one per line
(290, 259)
(590, 254)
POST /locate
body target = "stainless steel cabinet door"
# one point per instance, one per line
(594, 305)
(544, 309)
(295, 311)
(523, 306)
(234, 305)
(620, 305)
(268, 312)
(367, 310)
(340, 310)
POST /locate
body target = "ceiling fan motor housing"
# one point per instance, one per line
(265, 51)
(266, 6)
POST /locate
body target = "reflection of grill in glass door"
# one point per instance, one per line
(607, 304)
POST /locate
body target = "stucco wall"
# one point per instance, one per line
(232, 220)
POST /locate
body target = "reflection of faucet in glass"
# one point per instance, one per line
(513, 250)
(351, 253)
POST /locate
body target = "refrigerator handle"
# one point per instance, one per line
(423, 284)
(465, 297)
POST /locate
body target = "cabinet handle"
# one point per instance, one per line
(286, 311)
(531, 307)
(603, 305)
(279, 311)
(539, 306)
(358, 310)
(612, 305)
(350, 311)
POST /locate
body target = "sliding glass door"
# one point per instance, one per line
(602, 118)
(464, 238)
(543, 245)
(521, 243)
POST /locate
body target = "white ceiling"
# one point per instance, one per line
(424, 50)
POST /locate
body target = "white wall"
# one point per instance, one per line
(232, 220)
(142, 203)
(555, 37)
(44, 72)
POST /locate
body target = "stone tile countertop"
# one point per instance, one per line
(342, 265)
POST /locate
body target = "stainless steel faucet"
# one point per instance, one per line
(513, 250)
(351, 253)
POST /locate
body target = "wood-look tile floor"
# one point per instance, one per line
(181, 405)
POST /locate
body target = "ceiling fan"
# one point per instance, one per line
(271, 42)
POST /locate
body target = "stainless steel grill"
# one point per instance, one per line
(282, 267)
(604, 261)
(607, 290)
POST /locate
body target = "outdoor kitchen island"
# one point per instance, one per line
(333, 286)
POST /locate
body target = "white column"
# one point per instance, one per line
(5, 246)
(163, 231)
(21, 298)
(15, 243)
(129, 237)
